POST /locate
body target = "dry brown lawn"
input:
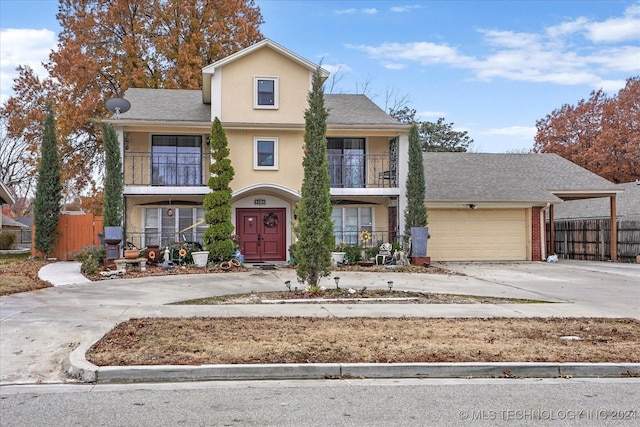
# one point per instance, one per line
(194, 341)
(19, 273)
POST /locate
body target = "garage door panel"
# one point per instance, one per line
(468, 235)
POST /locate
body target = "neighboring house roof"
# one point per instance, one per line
(26, 220)
(531, 178)
(172, 105)
(5, 196)
(627, 205)
(10, 222)
(210, 69)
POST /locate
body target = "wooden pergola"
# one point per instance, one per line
(567, 196)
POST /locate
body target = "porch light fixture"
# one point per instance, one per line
(472, 206)
(169, 212)
(337, 279)
(390, 285)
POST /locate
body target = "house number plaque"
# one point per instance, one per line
(259, 202)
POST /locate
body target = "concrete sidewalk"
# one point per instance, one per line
(63, 273)
(41, 328)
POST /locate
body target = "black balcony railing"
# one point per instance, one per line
(374, 237)
(361, 171)
(164, 169)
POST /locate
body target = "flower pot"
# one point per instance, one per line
(337, 258)
(131, 253)
(152, 252)
(200, 258)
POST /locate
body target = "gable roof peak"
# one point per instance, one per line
(209, 70)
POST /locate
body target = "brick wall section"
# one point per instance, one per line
(536, 251)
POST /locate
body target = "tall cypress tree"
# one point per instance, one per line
(113, 179)
(315, 228)
(217, 203)
(48, 189)
(415, 215)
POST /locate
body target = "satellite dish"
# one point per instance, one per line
(118, 105)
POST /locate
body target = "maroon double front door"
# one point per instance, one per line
(262, 234)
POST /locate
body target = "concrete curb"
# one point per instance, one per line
(84, 371)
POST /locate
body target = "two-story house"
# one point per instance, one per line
(260, 95)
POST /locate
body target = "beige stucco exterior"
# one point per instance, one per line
(229, 91)
(235, 84)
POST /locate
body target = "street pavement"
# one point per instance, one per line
(40, 330)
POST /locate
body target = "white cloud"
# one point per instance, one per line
(337, 68)
(28, 47)
(569, 53)
(525, 132)
(617, 29)
(393, 65)
(350, 11)
(610, 86)
(353, 10)
(425, 53)
(402, 9)
(423, 115)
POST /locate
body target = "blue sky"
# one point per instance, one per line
(491, 67)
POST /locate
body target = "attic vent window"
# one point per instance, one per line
(266, 92)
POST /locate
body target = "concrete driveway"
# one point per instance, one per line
(38, 330)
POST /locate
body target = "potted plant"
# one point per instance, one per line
(200, 258)
(337, 255)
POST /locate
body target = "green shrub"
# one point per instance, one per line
(91, 259)
(7, 239)
(352, 254)
(371, 252)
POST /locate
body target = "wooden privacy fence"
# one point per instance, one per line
(75, 231)
(590, 239)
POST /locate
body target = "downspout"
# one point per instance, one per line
(543, 231)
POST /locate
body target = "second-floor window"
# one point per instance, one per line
(176, 160)
(265, 153)
(266, 92)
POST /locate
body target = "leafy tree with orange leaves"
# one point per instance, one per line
(107, 46)
(601, 134)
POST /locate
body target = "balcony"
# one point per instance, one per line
(164, 169)
(351, 170)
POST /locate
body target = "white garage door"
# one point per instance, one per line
(478, 235)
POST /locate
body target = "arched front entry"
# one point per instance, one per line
(262, 233)
(263, 215)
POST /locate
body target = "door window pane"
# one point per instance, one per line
(346, 162)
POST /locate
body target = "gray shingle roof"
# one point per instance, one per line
(166, 105)
(355, 110)
(10, 222)
(187, 106)
(484, 177)
(627, 205)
